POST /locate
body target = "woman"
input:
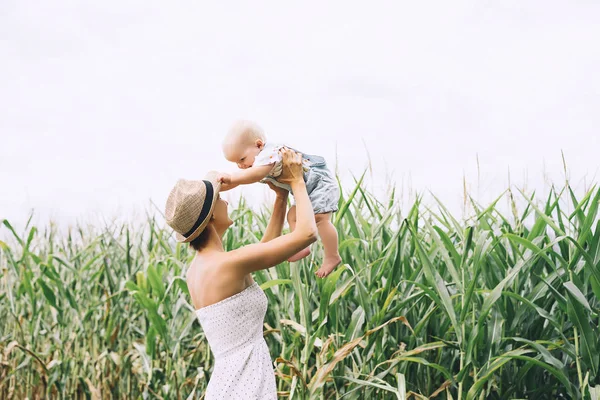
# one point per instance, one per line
(230, 306)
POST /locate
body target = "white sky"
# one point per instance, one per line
(103, 105)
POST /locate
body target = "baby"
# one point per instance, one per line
(246, 145)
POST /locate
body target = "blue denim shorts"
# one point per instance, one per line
(323, 190)
(321, 185)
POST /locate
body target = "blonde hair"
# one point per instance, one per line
(244, 131)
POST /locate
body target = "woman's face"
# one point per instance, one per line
(221, 218)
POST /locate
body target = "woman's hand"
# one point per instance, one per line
(292, 171)
(279, 192)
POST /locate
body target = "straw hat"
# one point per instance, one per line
(190, 206)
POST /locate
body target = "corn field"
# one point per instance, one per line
(425, 306)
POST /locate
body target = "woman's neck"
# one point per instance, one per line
(214, 241)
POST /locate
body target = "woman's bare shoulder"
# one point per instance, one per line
(210, 280)
(203, 268)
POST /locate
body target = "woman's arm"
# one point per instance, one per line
(276, 222)
(265, 255)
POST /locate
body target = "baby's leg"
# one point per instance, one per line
(291, 217)
(329, 237)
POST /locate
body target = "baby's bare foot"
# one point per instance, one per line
(299, 255)
(329, 264)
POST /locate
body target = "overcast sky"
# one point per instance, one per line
(103, 105)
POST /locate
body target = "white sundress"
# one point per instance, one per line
(234, 330)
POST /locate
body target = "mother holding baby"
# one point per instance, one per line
(229, 305)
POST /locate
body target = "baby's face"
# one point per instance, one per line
(243, 154)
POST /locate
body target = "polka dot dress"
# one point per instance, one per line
(234, 330)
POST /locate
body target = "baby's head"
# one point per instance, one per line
(243, 142)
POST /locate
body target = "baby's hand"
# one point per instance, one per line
(224, 178)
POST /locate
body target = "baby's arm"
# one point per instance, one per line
(250, 175)
(246, 176)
